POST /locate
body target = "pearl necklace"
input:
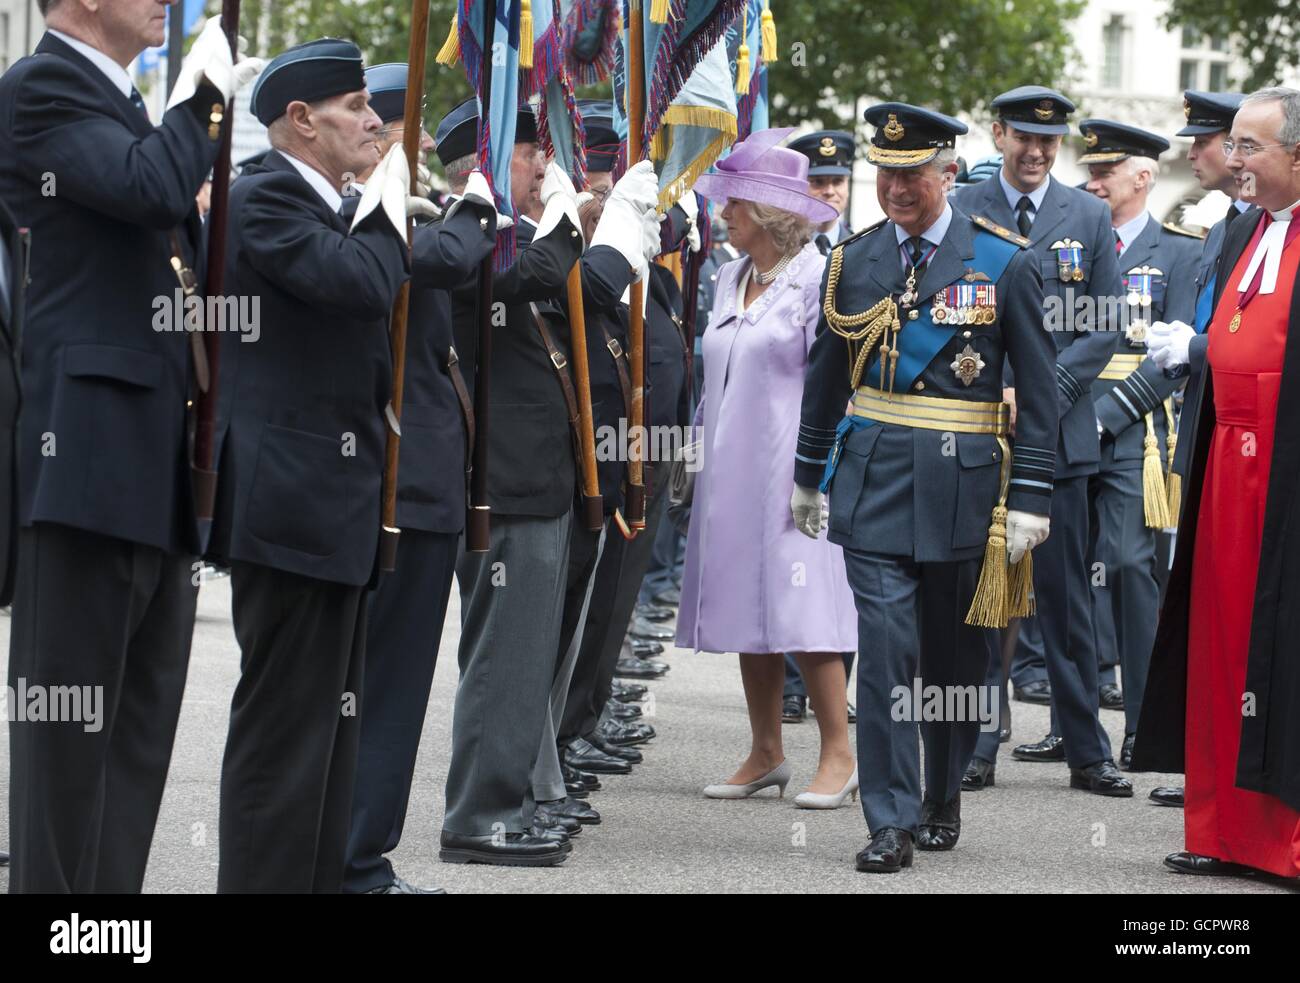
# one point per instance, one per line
(763, 279)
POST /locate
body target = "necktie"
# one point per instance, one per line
(1022, 215)
(1119, 243)
(823, 243)
(137, 101)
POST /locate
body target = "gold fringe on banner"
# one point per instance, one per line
(659, 12)
(526, 34)
(769, 36)
(449, 53)
(1155, 497)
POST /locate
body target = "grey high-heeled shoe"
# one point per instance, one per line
(778, 776)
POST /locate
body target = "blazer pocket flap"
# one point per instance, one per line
(978, 450)
(111, 362)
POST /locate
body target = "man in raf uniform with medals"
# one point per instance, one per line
(935, 513)
(1133, 495)
(1070, 235)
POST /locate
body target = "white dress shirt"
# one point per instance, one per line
(329, 194)
(114, 72)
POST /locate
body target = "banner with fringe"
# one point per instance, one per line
(559, 120)
(698, 128)
(591, 32)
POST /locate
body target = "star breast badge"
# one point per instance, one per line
(967, 365)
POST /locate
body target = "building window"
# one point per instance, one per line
(1112, 43)
(1187, 72)
(1218, 76)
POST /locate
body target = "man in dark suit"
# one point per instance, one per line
(301, 444)
(1070, 234)
(104, 593)
(1130, 494)
(921, 478)
(407, 609)
(14, 243)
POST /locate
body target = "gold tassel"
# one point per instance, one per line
(657, 150)
(659, 12)
(449, 53)
(1175, 480)
(769, 36)
(526, 34)
(988, 608)
(742, 70)
(1155, 500)
(1020, 600)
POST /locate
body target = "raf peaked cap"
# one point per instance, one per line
(1208, 112)
(908, 136)
(828, 151)
(457, 134)
(1035, 109)
(602, 142)
(308, 73)
(1107, 141)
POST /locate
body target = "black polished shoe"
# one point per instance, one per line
(625, 735)
(889, 851)
(647, 629)
(584, 814)
(979, 775)
(940, 824)
(623, 712)
(794, 709)
(502, 849)
(1194, 863)
(643, 649)
(1126, 752)
(1035, 692)
(584, 756)
(551, 828)
(588, 781)
(400, 886)
(1167, 795)
(1110, 697)
(575, 790)
(655, 612)
(634, 668)
(1048, 749)
(669, 597)
(553, 814)
(853, 713)
(629, 754)
(628, 692)
(1103, 778)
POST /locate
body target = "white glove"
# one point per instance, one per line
(1168, 343)
(389, 187)
(1025, 530)
(210, 59)
(808, 507)
(423, 180)
(650, 239)
(559, 199)
(691, 206)
(417, 206)
(624, 222)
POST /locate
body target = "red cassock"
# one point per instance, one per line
(1222, 820)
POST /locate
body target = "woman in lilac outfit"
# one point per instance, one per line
(753, 584)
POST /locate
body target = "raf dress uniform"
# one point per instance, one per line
(1070, 236)
(407, 609)
(301, 444)
(104, 590)
(1133, 492)
(919, 474)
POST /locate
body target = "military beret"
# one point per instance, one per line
(457, 135)
(908, 136)
(828, 151)
(307, 73)
(1108, 141)
(1035, 109)
(1208, 112)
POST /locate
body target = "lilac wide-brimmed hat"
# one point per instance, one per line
(758, 170)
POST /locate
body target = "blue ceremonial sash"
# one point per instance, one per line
(1205, 305)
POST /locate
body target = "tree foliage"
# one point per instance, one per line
(1264, 34)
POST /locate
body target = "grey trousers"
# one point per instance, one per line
(911, 627)
(512, 599)
(584, 558)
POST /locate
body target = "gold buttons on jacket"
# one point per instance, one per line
(919, 385)
(214, 121)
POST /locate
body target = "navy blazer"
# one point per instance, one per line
(103, 436)
(301, 431)
(13, 256)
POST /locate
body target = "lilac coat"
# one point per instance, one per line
(754, 583)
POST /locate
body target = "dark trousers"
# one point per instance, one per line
(619, 575)
(1125, 590)
(912, 630)
(113, 619)
(291, 753)
(405, 626)
(1029, 665)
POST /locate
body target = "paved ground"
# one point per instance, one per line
(1029, 834)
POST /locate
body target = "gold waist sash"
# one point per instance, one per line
(932, 412)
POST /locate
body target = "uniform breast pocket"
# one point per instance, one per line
(979, 480)
(851, 477)
(298, 496)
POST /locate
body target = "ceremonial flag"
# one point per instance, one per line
(559, 121)
(751, 47)
(592, 31)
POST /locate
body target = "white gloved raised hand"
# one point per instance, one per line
(1168, 343)
(559, 199)
(423, 180)
(624, 224)
(808, 508)
(478, 191)
(210, 59)
(1025, 530)
(389, 188)
(418, 206)
(691, 206)
(651, 241)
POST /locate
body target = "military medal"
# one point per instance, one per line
(967, 365)
(1138, 283)
(1069, 259)
(1235, 324)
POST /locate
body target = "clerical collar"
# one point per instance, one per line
(1014, 194)
(1286, 214)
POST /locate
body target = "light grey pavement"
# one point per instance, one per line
(1029, 834)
